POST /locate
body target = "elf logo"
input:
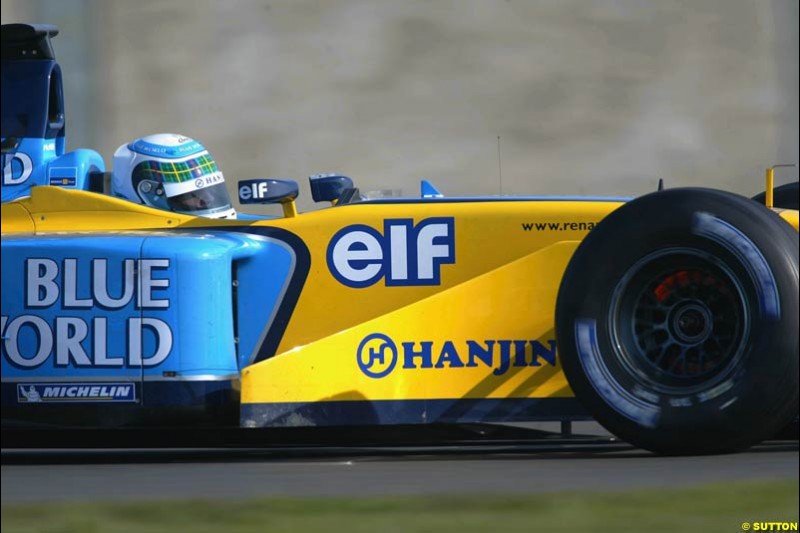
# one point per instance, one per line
(405, 254)
(254, 190)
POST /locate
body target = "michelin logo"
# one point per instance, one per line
(378, 355)
(75, 392)
(405, 254)
(31, 395)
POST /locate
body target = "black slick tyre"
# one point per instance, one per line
(676, 322)
(783, 197)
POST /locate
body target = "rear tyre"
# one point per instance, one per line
(677, 321)
(784, 197)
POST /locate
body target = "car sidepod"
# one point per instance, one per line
(135, 328)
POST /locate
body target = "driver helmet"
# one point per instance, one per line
(171, 172)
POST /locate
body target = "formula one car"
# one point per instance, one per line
(670, 318)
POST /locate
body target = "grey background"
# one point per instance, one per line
(599, 98)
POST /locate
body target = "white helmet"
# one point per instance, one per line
(171, 172)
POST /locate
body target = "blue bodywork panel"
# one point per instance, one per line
(32, 121)
(85, 314)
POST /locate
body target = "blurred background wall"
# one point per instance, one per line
(600, 97)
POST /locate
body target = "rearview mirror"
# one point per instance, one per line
(329, 187)
(270, 191)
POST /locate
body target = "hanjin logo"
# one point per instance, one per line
(377, 355)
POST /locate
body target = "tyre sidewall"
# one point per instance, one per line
(759, 395)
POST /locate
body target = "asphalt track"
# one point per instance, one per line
(120, 475)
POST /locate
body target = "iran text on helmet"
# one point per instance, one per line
(171, 172)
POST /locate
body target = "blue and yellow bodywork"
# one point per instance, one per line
(394, 311)
(255, 319)
(260, 306)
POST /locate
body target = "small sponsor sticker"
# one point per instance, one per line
(76, 392)
(63, 176)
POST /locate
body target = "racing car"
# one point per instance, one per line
(670, 318)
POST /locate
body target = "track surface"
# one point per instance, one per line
(223, 474)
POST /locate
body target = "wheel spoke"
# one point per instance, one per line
(682, 317)
(680, 358)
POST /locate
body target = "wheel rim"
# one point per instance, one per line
(679, 318)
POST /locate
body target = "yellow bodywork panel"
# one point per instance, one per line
(488, 337)
(53, 209)
(486, 238)
(790, 216)
(16, 219)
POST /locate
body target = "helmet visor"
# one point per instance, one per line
(205, 201)
(171, 172)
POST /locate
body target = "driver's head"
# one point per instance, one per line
(171, 172)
